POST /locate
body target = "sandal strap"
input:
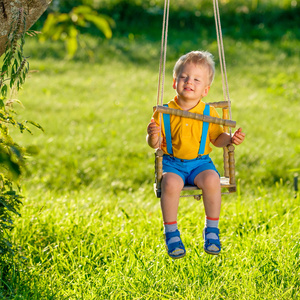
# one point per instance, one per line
(212, 230)
(212, 242)
(173, 246)
(172, 234)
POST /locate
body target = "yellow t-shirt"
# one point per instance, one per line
(186, 133)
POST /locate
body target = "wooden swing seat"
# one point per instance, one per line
(228, 180)
(225, 183)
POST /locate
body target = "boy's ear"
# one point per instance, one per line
(206, 90)
(174, 83)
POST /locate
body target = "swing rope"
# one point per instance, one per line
(222, 56)
(163, 55)
(162, 61)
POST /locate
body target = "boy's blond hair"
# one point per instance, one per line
(202, 58)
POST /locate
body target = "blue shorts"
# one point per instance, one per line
(188, 169)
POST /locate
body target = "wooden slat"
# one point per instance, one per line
(231, 166)
(220, 104)
(158, 167)
(224, 184)
(225, 149)
(187, 114)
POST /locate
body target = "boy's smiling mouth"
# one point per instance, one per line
(188, 89)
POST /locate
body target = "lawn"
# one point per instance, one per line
(91, 226)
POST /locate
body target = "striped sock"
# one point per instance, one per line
(171, 227)
(211, 222)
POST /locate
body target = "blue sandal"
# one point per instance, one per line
(211, 246)
(175, 250)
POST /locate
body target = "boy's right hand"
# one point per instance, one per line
(153, 129)
(153, 134)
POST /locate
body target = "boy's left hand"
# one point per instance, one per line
(238, 137)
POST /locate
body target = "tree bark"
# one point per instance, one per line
(33, 9)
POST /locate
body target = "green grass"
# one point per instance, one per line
(94, 246)
(91, 226)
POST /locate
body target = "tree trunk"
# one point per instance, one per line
(33, 9)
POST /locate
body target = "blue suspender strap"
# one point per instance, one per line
(206, 112)
(167, 124)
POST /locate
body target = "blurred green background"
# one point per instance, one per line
(261, 40)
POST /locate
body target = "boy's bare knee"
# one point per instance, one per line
(208, 180)
(172, 182)
(212, 182)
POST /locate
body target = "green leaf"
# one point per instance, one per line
(36, 125)
(71, 45)
(8, 206)
(49, 23)
(4, 69)
(16, 151)
(82, 9)
(71, 42)
(20, 55)
(51, 26)
(4, 91)
(81, 21)
(72, 32)
(14, 169)
(61, 18)
(33, 150)
(16, 64)
(101, 23)
(58, 32)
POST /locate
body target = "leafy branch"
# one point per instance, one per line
(66, 26)
(13, 73)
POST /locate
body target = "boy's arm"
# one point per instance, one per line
(152, 137)
(224, 139)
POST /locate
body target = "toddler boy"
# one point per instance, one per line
(186, 146)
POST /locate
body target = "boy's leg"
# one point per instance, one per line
(209, 182)
(172, 185)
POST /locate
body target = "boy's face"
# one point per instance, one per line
(192, 83)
